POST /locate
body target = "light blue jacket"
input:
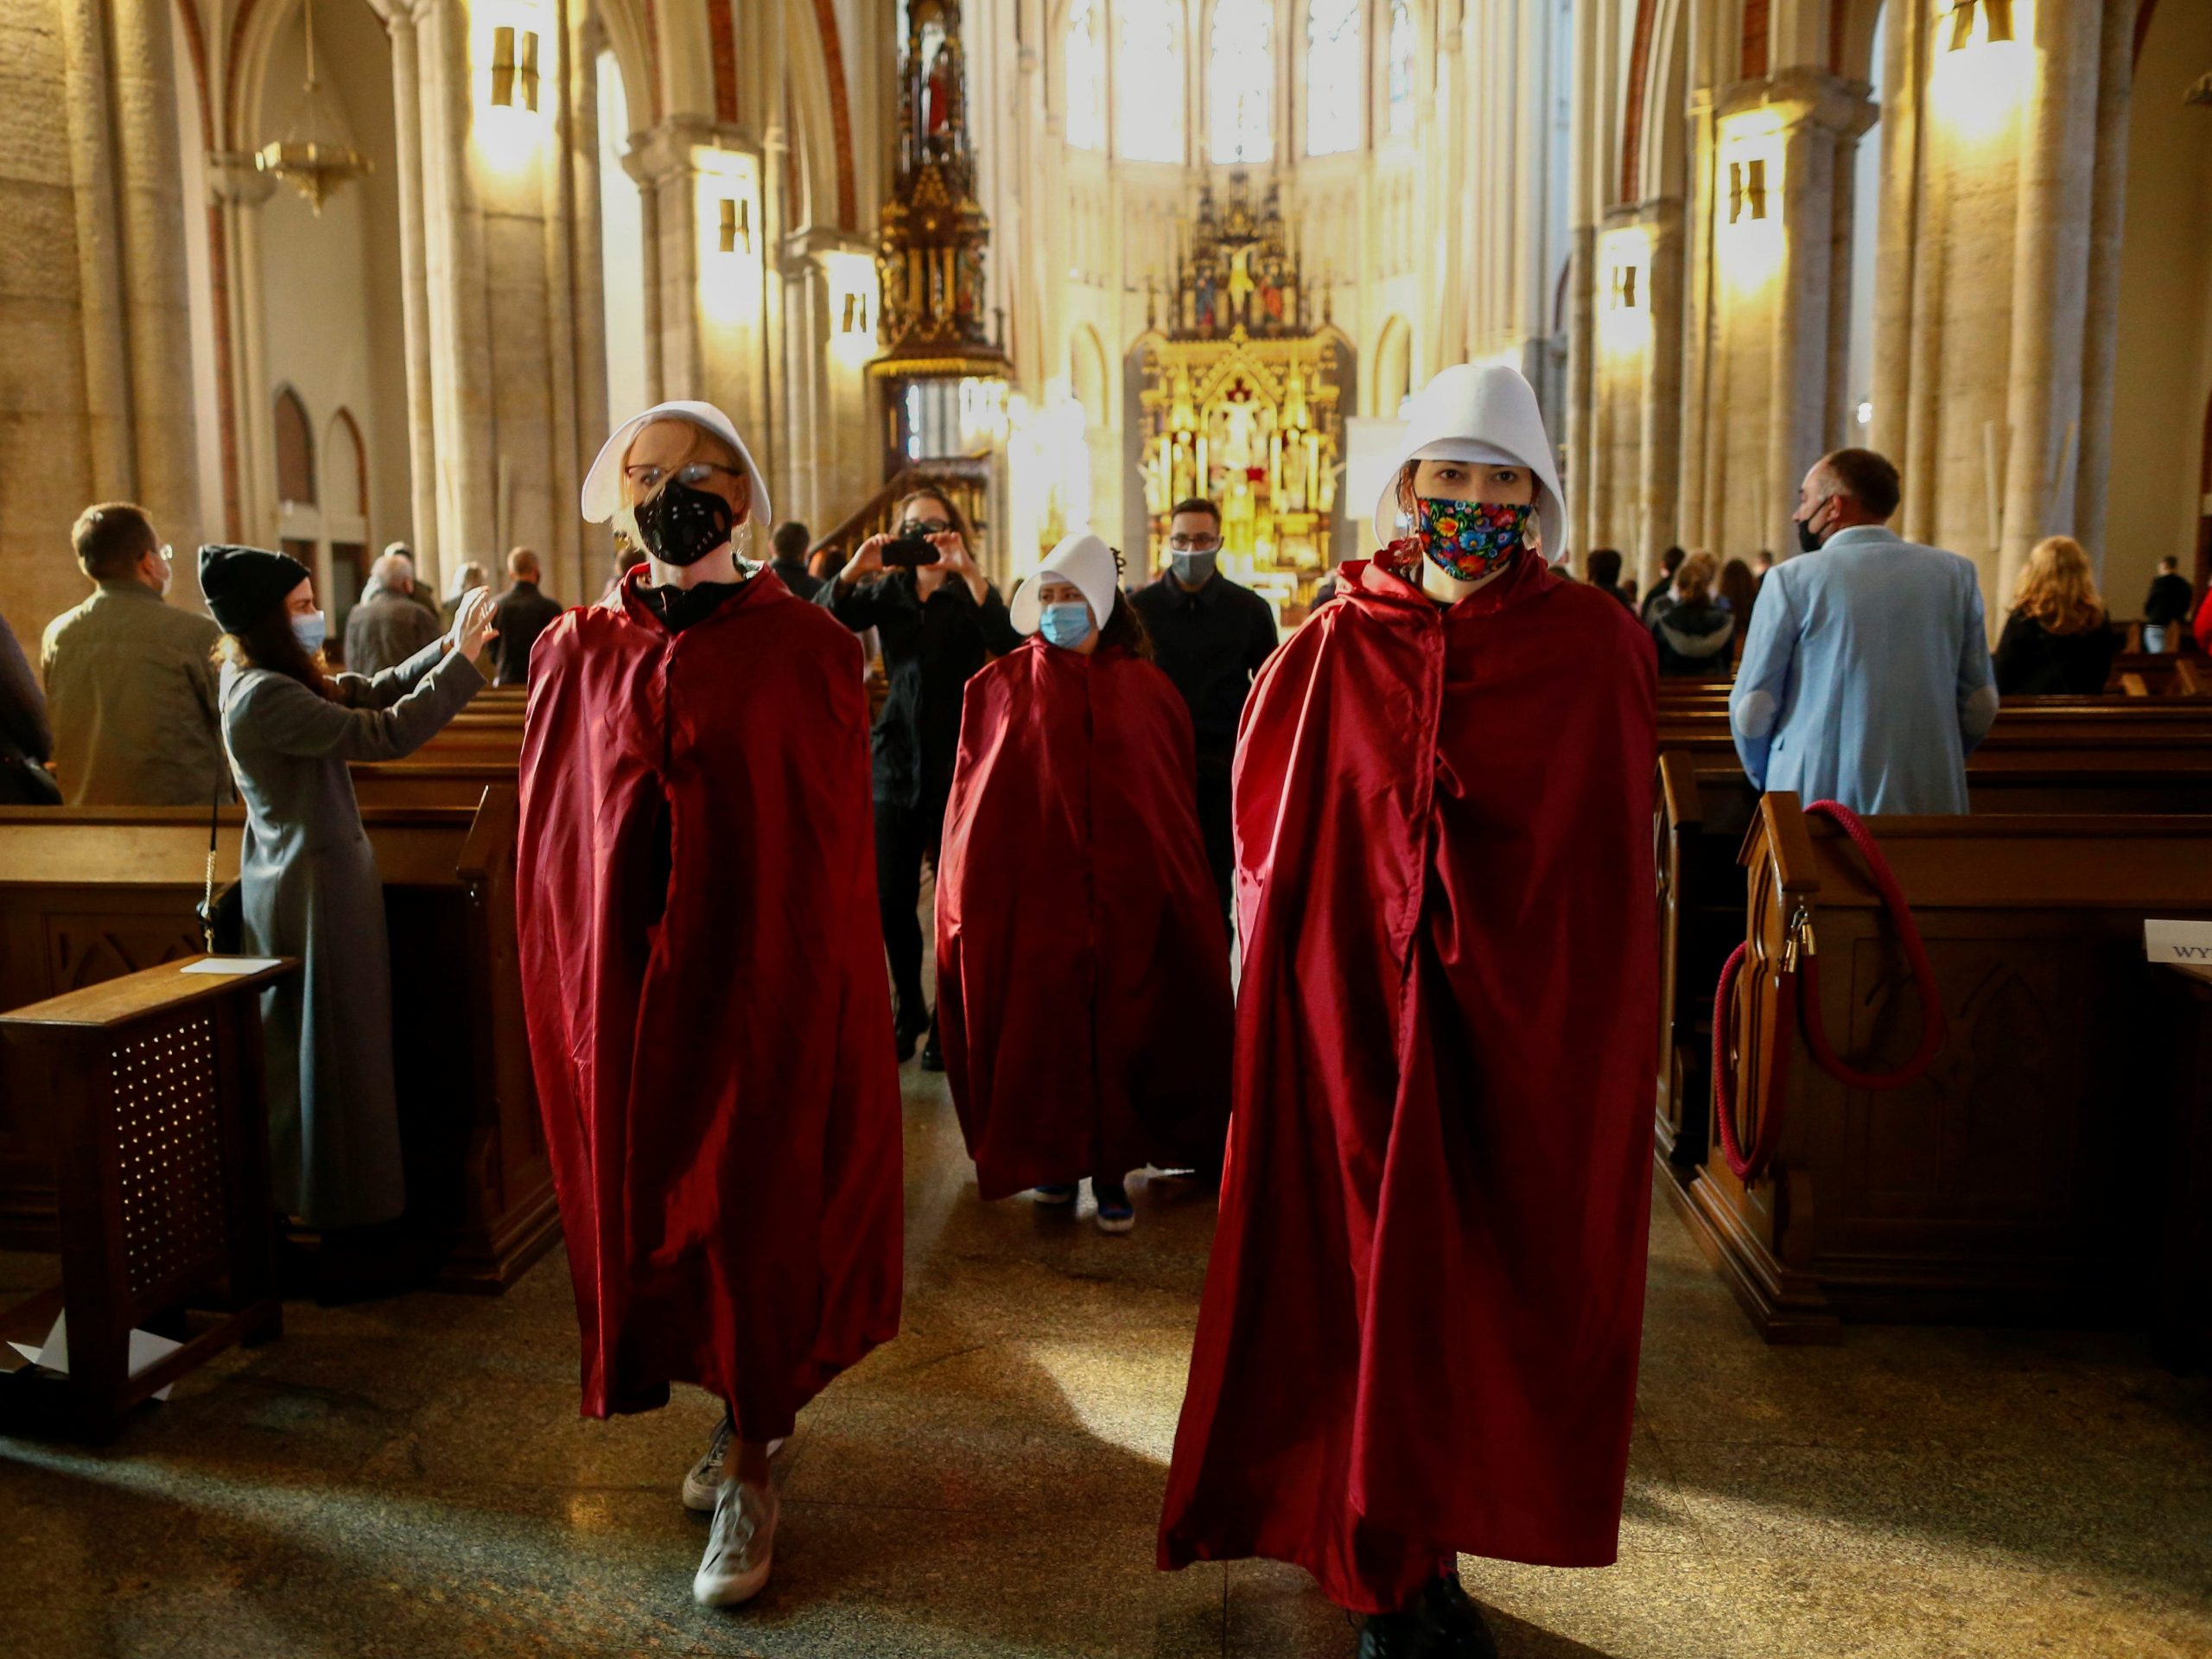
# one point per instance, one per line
(1866, 677)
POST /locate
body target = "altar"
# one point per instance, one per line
(1241, 400)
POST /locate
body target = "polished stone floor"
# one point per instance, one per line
(410, 1479)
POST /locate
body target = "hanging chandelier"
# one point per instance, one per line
(314, 156)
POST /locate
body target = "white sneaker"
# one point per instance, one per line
(704, 1478)
(740, 1546)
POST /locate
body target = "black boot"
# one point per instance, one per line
(908, 1028)
(1455, 1623)
(1397, 1636)
(932, 1056)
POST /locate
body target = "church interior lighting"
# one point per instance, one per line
(316, 155)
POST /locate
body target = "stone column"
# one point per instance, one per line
(1817, 109)
(1659, 461)
(2116, 76)
(1585, 201)
(156, 302)
(1693, 504)
(2051, 267)
(239, 189)
(92, 170)
(466, 471)
(415, 283)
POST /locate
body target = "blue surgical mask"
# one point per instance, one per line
(312, 630)
(1193, 570)
(1066, 625)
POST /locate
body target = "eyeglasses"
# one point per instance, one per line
(1194, 544)
(650, 478)
(169, 556)
(923, 527)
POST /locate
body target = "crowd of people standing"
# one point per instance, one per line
(1282, 915)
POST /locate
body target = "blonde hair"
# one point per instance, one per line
(1693, 579)
(2059, 589)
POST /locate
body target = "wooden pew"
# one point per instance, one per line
(2018, 1181)
(428, 782)
(90, 894)
(1704, 806)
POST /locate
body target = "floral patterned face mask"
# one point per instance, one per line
(1470, 539)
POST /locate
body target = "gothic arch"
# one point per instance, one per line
(293, 431)
(345, 459)
(1392, 378)
(623, 31)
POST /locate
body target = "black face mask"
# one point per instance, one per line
(682, 526)
(1808, 539)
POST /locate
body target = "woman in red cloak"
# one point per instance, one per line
(1420, 1328)
(709, 1027)
(1082, 970)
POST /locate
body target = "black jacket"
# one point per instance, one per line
(522, 615)
(1693, 639)
(2032, 661)
(1210, 643)
(2168, 602)
(929, 651)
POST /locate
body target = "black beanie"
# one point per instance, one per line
(244, 584)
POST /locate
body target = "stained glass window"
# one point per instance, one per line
(1148, 83)
(1240, 80)
(1334, 70)
(1085, 125)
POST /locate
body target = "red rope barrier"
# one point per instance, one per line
(1803, 990)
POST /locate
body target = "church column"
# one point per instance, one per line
(239, 189)
(2051, 267)
(467, 483)
(707, 299)
(414, 281)
(2115, 82)
(100, 277)
(157, 303)
(1695, 503)
(1659, 460)
(1585, 152)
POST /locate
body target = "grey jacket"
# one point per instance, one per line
(130, 691)
(311, 890)
(385, 629)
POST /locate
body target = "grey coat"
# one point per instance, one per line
(311, 890)
(387, 628)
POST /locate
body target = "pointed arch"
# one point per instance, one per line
(347, 457)
(294, 433)
(1394, 368)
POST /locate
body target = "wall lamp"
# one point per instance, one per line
(1996, 17)
(736, 224)
(514, 68)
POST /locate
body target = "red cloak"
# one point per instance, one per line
(1083, 969)
(1421, 1322)
(709, 1024)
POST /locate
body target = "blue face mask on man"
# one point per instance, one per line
(1066, 625)
(311, 631)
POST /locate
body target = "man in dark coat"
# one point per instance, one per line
(790, 563)
(389, 626)
(1210, 635)
(524, 612)
(938, 623)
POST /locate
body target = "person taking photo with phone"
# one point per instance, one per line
(940, 620)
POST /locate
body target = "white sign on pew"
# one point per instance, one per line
(2189, 943)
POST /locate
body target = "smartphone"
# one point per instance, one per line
(908, 551)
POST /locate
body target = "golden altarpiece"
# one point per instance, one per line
(1241, 398)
